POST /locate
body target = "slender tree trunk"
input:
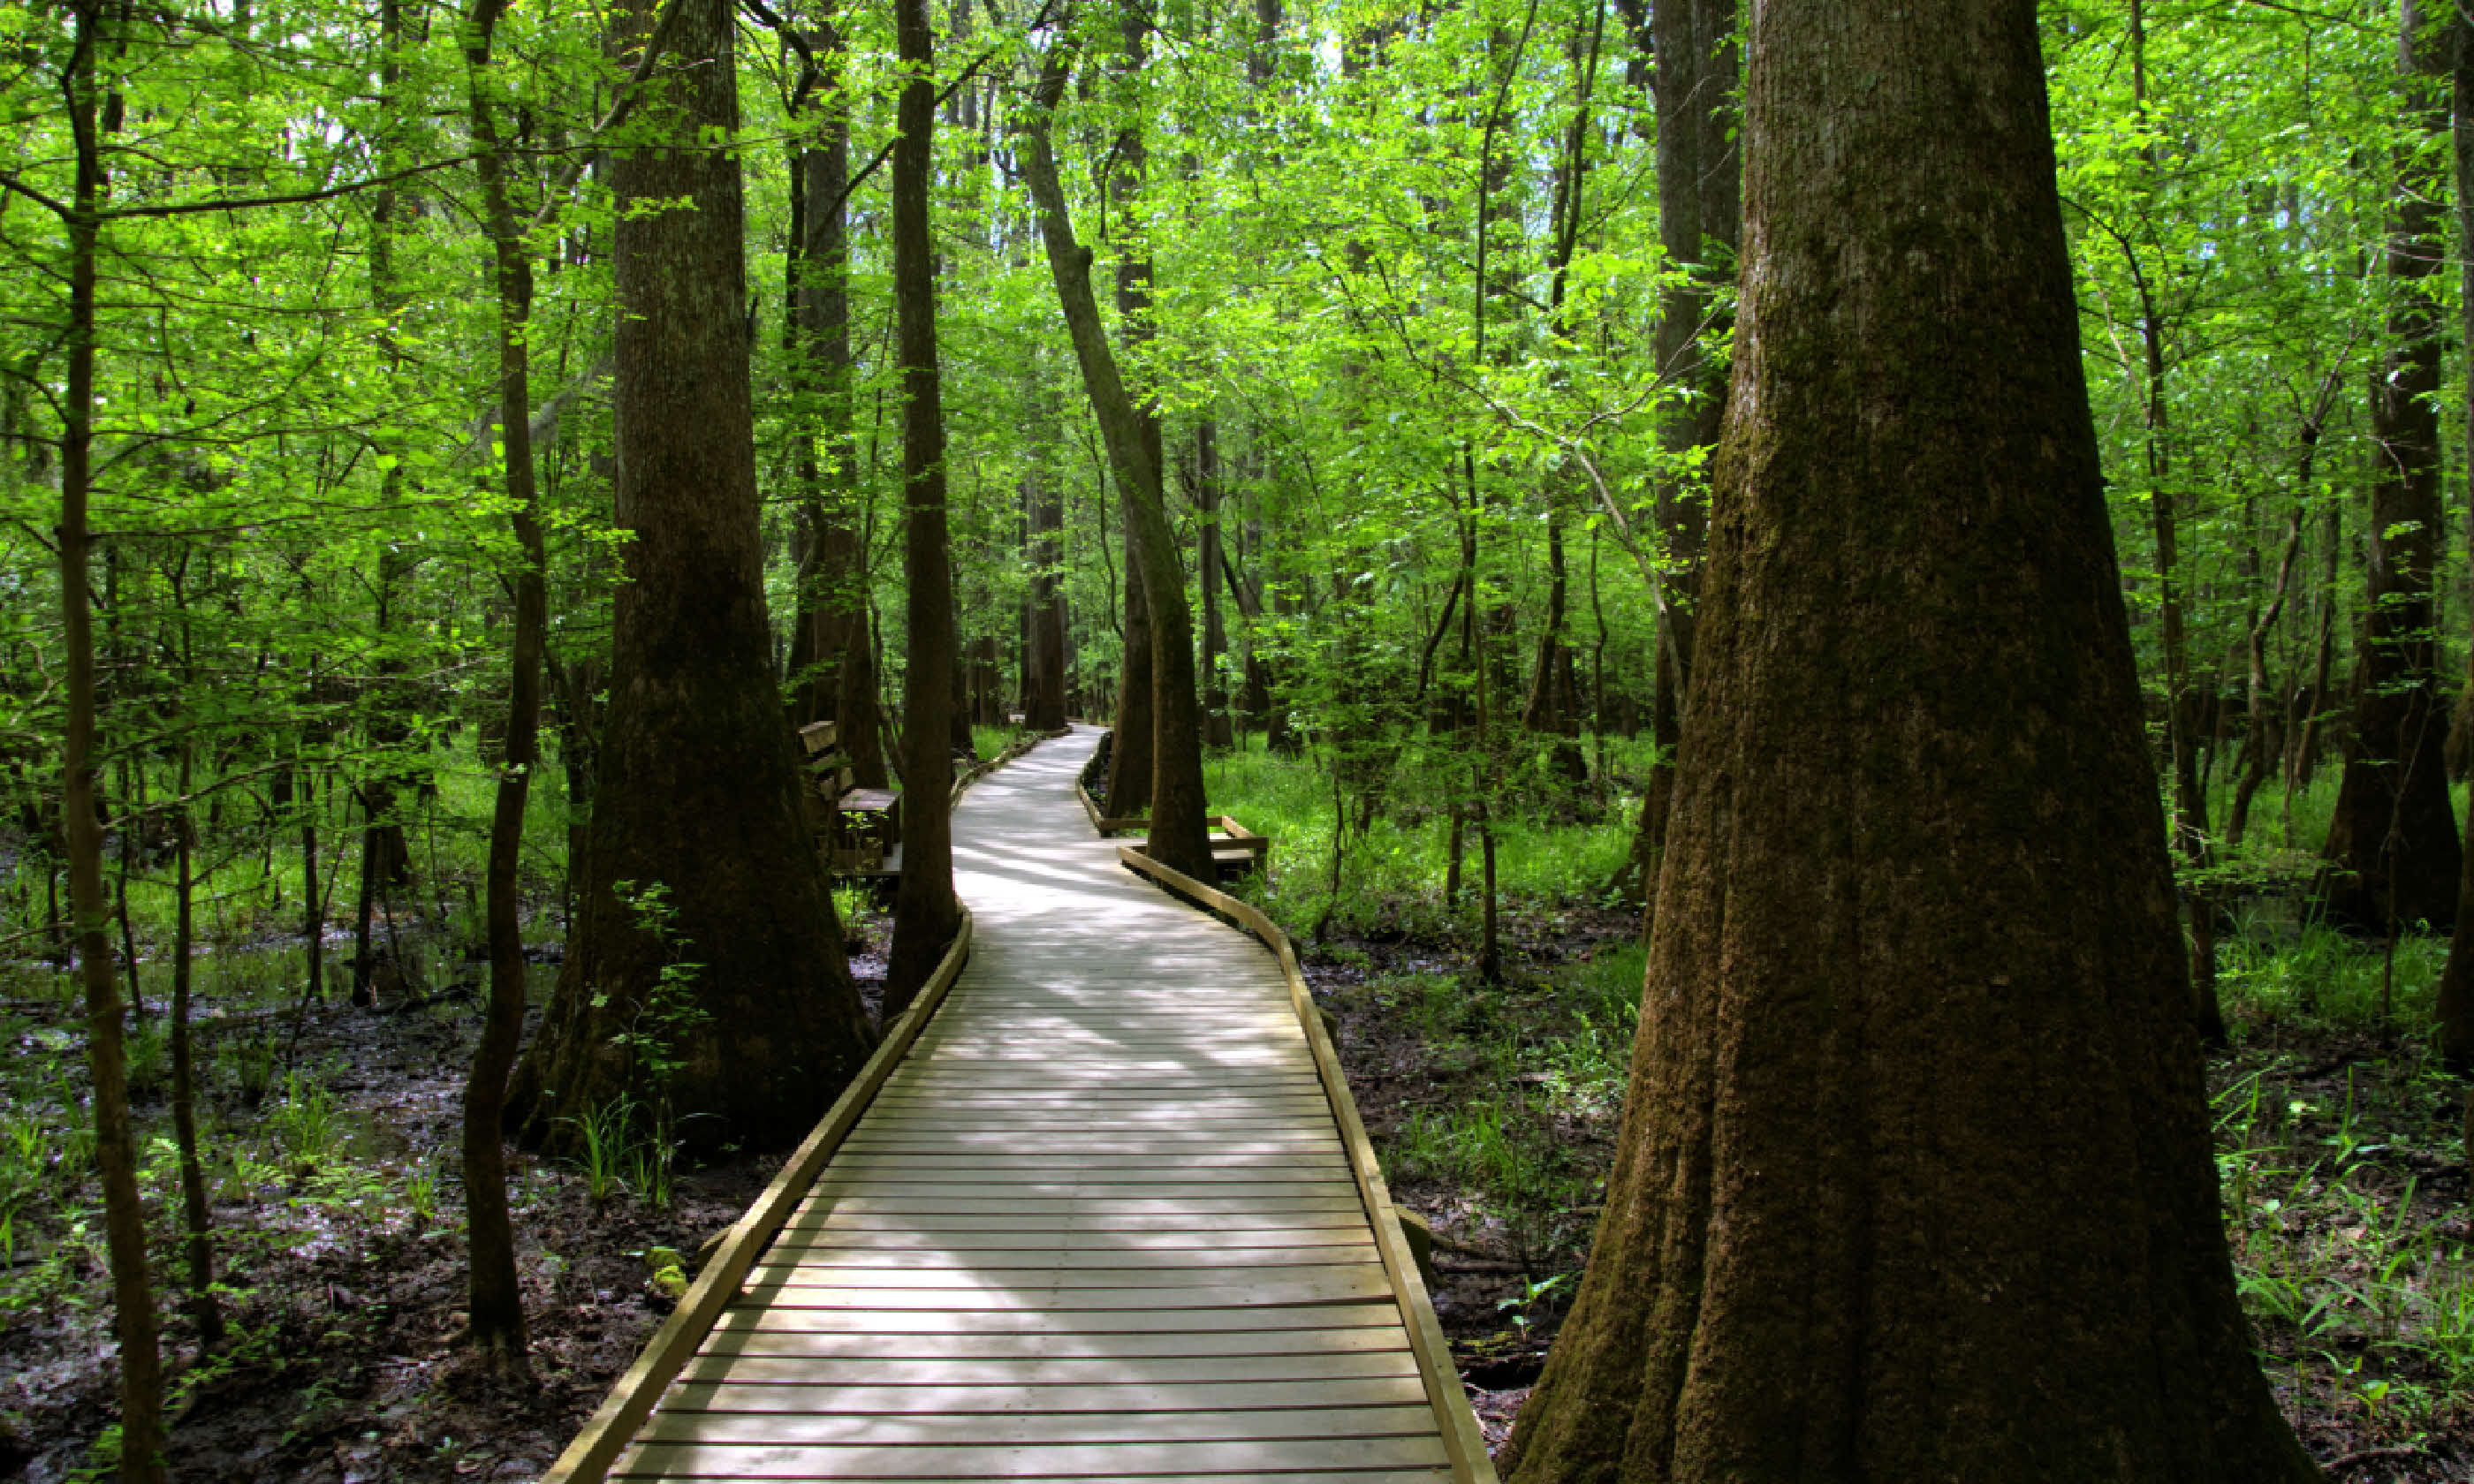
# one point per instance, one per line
(197, 1241)
(132, 1293)
(1130, 754)
(1216, 730)
(313, 899)
(1044, 699)
(2303, 756)
(1844, 1191)
(2392, 853)
(2255, 745)
(2190, 815)
(496, 1310)
(924, 912)
(1178, 837)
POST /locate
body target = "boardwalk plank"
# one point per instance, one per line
(744, 1394)
(891, 1320)
(1059, 1374)
(1099, 1224)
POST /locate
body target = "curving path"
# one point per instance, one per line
(1099, 1224)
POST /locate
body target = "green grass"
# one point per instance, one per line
(1549, 846)
(992, 740)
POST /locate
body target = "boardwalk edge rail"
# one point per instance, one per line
(1462, 1439)
(613, 1424)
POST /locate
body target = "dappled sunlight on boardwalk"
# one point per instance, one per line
(1099, 1224)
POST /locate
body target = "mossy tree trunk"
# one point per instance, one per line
(699, 790)
(1915, 1180)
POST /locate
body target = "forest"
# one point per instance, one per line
(1848, 630)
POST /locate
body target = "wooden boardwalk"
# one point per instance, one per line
(1104, 1219)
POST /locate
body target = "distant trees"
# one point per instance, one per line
(1915, 1074)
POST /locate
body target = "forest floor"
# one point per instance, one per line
(339, 1234)
(1495, 1111)
(332, 1168)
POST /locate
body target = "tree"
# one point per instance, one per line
(1915, 1075)
(1179, 838)
(706, 970)
(926, 911)
(2392, 853)
(495, 1312)
(1699, 224)
(830, 649)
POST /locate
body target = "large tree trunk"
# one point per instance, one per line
(925, 910)
(1179, 838)
(699, 791)
(1915, 1179)
(2392, 853)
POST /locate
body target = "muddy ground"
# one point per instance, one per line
(347, 1290)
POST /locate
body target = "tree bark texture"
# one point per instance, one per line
(699, 789)
(2392, 853)
(925, 909)
(1915, 1180)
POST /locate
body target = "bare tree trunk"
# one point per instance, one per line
(495, 1295)
(196, 1239)
(1130, 754)
(1044, 698)
(1216, 730)
(1179, 838)
(926, 912)
(133, 1294)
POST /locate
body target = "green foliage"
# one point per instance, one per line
(670, 1011)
